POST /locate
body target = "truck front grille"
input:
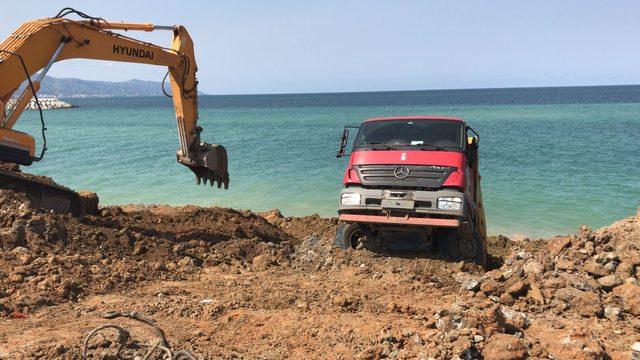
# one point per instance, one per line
(419, 176)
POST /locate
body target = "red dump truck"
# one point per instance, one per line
(417, 175)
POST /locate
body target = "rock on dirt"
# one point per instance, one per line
(90, 201)
(505, 347)
(585, 303)
(628, 293)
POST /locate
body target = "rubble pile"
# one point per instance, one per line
(571, 297)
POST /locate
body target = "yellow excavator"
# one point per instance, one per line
(27, 55)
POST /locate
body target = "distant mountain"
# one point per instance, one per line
(77, 88)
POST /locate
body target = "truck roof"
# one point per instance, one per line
(416, 117)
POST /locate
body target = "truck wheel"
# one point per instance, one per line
(462, 246)
(351, 235)
(480, 257)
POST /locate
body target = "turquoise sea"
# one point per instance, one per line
(551, 158)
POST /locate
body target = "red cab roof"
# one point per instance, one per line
(416, 117)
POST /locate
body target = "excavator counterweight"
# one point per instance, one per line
(36, 45)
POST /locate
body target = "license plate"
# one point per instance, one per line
(397, 204)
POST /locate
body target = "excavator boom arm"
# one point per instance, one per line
(37, 44)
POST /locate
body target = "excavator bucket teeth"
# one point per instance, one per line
(211, 165)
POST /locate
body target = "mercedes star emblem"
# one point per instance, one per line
(401, 172)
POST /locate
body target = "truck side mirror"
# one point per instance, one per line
(475, 138)
(343, 142)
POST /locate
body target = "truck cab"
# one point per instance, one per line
(414, 173)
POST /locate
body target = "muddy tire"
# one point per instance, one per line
(351, 235)
(462, 246)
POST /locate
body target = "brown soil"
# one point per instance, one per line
(236, 284)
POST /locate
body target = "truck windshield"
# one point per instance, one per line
(410, 134)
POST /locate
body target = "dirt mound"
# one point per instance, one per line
(235, 284)
(50, 258)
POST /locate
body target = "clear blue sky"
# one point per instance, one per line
(317, 46)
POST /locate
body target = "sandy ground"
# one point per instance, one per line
(230, 284)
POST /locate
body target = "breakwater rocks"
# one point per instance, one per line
(46, 104)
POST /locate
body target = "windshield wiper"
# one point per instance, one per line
(381, 143)
(427, 146)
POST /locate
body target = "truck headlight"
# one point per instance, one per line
(350, 199)
(449, 203)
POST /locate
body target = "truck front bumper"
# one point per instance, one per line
(401, 207)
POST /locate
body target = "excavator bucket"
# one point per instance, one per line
(209, 163)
